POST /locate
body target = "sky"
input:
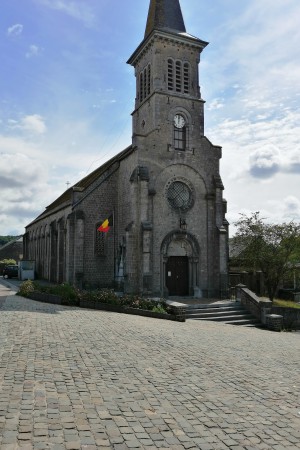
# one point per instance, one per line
(66, 97)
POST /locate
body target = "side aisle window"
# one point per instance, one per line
(100, 246)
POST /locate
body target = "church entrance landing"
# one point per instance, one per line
(177, 276)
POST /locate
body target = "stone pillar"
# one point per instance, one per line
(70, 249)
(274, 322)
(61, 251)
(53, 252)
(139, 255)
(211, 247)
(223, 251)
(147, 260)
(47, 253)
(79, 249)
(129, 269)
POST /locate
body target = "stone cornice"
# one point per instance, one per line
(182, 39)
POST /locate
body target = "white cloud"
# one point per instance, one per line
(216, 103)
(33, 124)
(34, 50)
(261, 164)
(18, 171)
(26, 186)
(15, 30)
(77, 10)
(12, 123)
(283, 209)
(252, 49)
(265, 161)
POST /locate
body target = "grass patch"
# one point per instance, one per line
(286, 304)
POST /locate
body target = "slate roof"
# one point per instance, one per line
(66, 198)
(165, 15)
(18, 239)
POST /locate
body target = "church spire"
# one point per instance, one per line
(165, 15)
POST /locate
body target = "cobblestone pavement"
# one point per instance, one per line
(81, 379)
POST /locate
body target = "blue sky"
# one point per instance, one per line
(66, 95)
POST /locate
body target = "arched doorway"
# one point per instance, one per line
(180, 259)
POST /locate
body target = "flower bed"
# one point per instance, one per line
(103, 299)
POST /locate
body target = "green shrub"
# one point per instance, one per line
(8, 262)
(135, 301)
(159, 309)
(26, 288)
(69, 294)
(106, 296)
(72, 296)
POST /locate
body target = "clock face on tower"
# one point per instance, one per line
(179, 121)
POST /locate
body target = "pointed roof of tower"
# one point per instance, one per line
(165, 15)
(165, 18)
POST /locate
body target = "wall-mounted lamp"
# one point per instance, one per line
(182, 224)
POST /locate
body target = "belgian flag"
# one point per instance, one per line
(107, 224)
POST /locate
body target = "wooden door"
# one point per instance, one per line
(177, 275)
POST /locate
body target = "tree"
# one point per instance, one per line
(8, 262)
(272, 248)
(5, 239)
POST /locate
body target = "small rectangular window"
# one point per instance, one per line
(99, 242)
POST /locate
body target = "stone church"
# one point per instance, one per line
(163, 195)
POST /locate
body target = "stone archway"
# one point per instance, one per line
(179, 264)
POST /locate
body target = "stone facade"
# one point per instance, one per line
(170, 235)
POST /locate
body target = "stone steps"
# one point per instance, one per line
(230, 313)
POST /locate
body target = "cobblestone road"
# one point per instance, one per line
(83, 379)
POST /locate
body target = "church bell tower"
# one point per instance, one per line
(181, 221)
(166, 69)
